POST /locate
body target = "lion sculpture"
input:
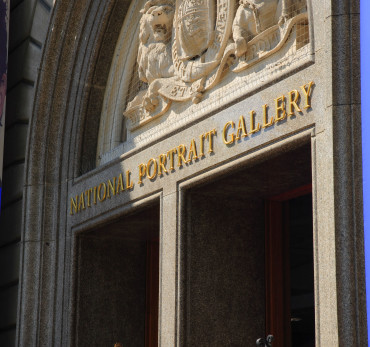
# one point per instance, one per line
(154, 55)
(255, 16)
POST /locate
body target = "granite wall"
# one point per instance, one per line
(29, 21)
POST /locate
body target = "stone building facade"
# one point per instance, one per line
(183, 173)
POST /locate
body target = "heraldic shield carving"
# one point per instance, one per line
(195, 23)
(187, 46)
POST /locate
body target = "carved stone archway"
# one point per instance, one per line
(62, 145)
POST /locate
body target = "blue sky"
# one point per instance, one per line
(365, 106)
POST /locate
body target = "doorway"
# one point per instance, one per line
(224, 252)
(290, 306)
(118, 282)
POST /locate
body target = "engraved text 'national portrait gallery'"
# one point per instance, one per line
(284, 107)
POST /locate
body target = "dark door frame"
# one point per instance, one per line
(277, 265)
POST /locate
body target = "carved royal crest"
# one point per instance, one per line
(186, 47)
(195, 23)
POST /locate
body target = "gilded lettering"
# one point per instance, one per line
(120, 186)
(280, 108)
(181, 155)
(74, 205)
(102, 197)
(192, 151)
(266, 123)
(210, 135)
(241, 130)
(307, 93)
(171, 153)
(81, 202)
(88, 195)
(254, 128)
(293, 99)
(162, 164)
(111, 187)
(152, 162)
(95, 189)
(142, 172)
(201, 154)
(224, 133)
(129, 183)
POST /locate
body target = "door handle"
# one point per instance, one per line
(265, 342)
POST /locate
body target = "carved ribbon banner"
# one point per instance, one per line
(269, 42)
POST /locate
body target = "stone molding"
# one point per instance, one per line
(69, 81)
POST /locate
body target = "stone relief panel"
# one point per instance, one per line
(187, 47)
(179, 60)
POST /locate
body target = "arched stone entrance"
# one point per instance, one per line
(60, 168)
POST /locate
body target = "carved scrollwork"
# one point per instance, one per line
(187, 45)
